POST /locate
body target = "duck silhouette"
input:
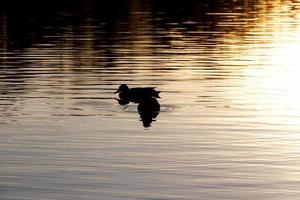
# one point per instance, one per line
(148, 104)
(148, 109)
(136, 95)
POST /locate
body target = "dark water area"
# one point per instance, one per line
(229, 120)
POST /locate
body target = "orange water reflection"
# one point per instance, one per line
(230, 112)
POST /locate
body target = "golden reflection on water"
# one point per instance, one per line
(229, 75)
(250, 47)
(273, 64)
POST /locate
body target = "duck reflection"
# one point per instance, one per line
(148, 106)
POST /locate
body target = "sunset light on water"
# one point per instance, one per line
(226, 125)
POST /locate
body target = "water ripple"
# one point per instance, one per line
(228, 73)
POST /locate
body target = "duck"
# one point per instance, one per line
(136, 94)
(148, 104)
(148, 109)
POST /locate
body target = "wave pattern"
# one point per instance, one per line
(230, 113)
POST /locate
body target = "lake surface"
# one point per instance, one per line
(228, 72)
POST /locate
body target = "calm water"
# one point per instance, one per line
(229, 126)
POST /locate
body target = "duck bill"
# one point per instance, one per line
(116, 91)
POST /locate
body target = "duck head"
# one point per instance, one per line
(148, 110)
(122, 88)
(148, 118)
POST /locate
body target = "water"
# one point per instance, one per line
(230, 113)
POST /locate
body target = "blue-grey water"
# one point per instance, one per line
(228, 72)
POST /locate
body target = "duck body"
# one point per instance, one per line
(136, 94)
(149, 104)
(148, 109)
